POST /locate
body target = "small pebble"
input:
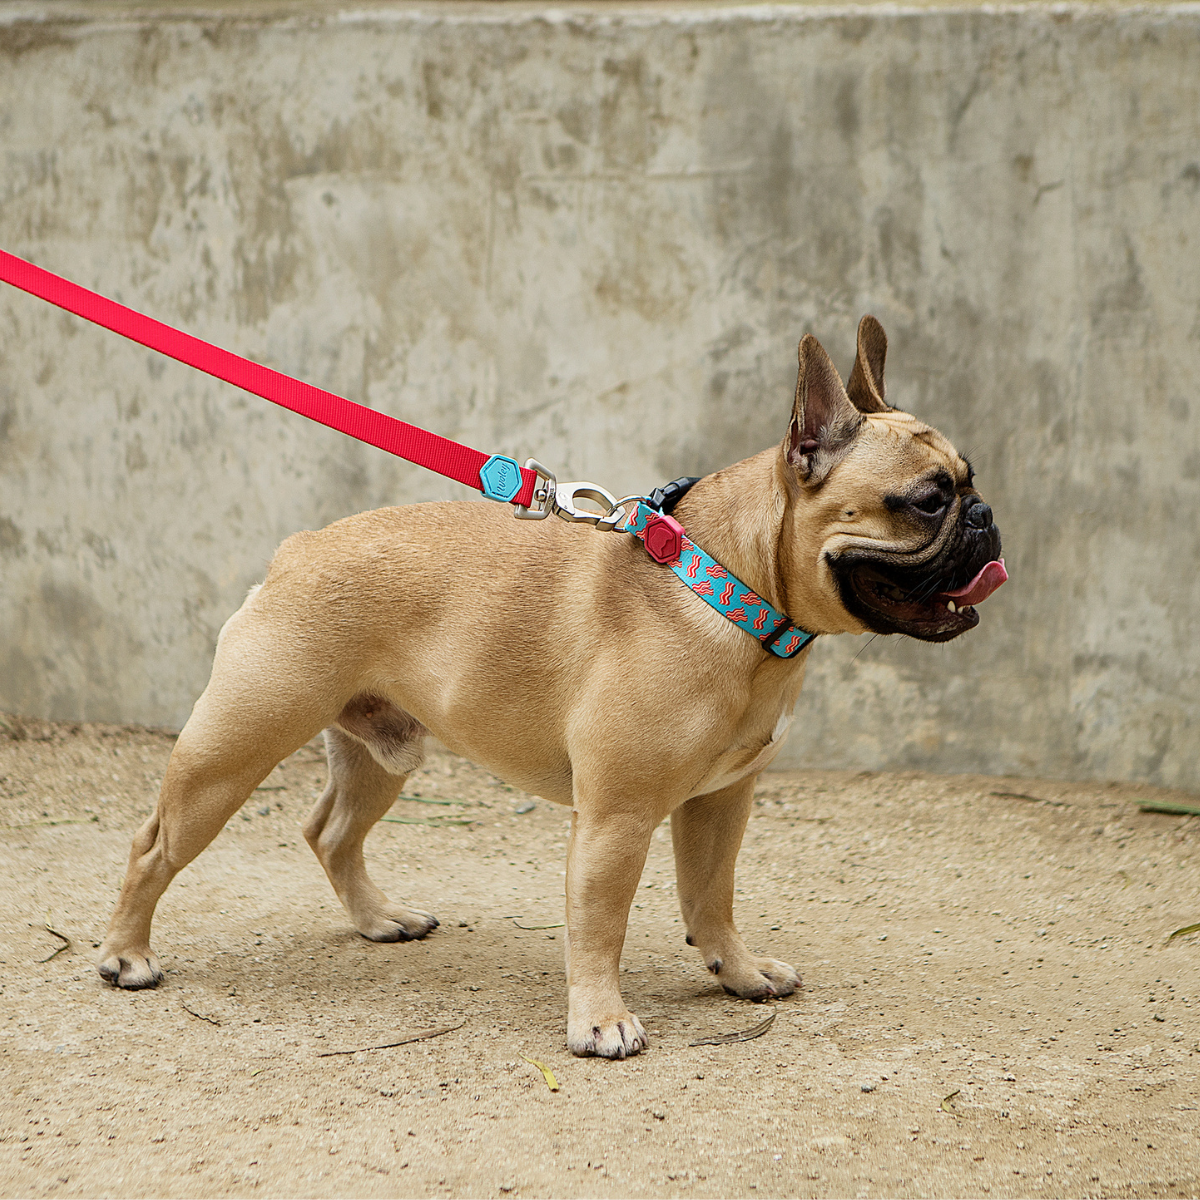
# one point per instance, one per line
(525, 806)
(868, 1087)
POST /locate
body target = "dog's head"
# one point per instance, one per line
(885, 509)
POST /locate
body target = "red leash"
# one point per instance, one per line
(497, 476)
(491, 474)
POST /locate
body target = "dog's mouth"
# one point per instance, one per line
(931, 593)
(920, 607)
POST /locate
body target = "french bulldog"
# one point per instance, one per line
(568, 662)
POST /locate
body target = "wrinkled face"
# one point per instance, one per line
(913, 546)
(907, 542)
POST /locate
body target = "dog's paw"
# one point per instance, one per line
(611, 1037)
(396, 924)
(756, 978)
(130, 969)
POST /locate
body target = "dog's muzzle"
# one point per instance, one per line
(929, 593)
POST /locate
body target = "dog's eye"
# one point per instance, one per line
(931, 504)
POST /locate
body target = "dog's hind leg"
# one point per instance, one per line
(230, 744)
(707, 834)
(371, 751)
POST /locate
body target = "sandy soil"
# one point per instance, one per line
(990, 1003)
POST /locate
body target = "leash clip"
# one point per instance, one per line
(544, 494)
(562, 499)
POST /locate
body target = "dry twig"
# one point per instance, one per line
(1026, 796)
(744, 1035)
(416, 1037)
(435, 821)
(201, 1016)
(66, 945)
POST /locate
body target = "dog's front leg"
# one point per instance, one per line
(707, 834)
(604, 863)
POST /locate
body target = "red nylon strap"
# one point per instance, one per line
(378, 429)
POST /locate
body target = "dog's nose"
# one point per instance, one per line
(978, 514)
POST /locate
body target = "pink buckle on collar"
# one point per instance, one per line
(663, 538)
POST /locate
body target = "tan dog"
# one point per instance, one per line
(557, 657)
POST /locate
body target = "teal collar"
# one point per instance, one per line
(667, 543)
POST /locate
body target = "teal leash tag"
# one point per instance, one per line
(500, 478)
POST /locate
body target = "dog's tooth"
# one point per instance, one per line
(952, 606)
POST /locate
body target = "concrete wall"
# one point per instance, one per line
(595, 234)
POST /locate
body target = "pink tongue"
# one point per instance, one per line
(982, 586)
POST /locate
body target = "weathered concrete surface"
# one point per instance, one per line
(595, 235)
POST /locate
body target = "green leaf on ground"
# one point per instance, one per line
(1174, 810)
(1184, 931)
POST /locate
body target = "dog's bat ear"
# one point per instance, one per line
(865, 389)
(824, 422)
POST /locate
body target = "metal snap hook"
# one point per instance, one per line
(563, 500)
(568, 495)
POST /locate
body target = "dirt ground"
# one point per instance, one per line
(991, 1005)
